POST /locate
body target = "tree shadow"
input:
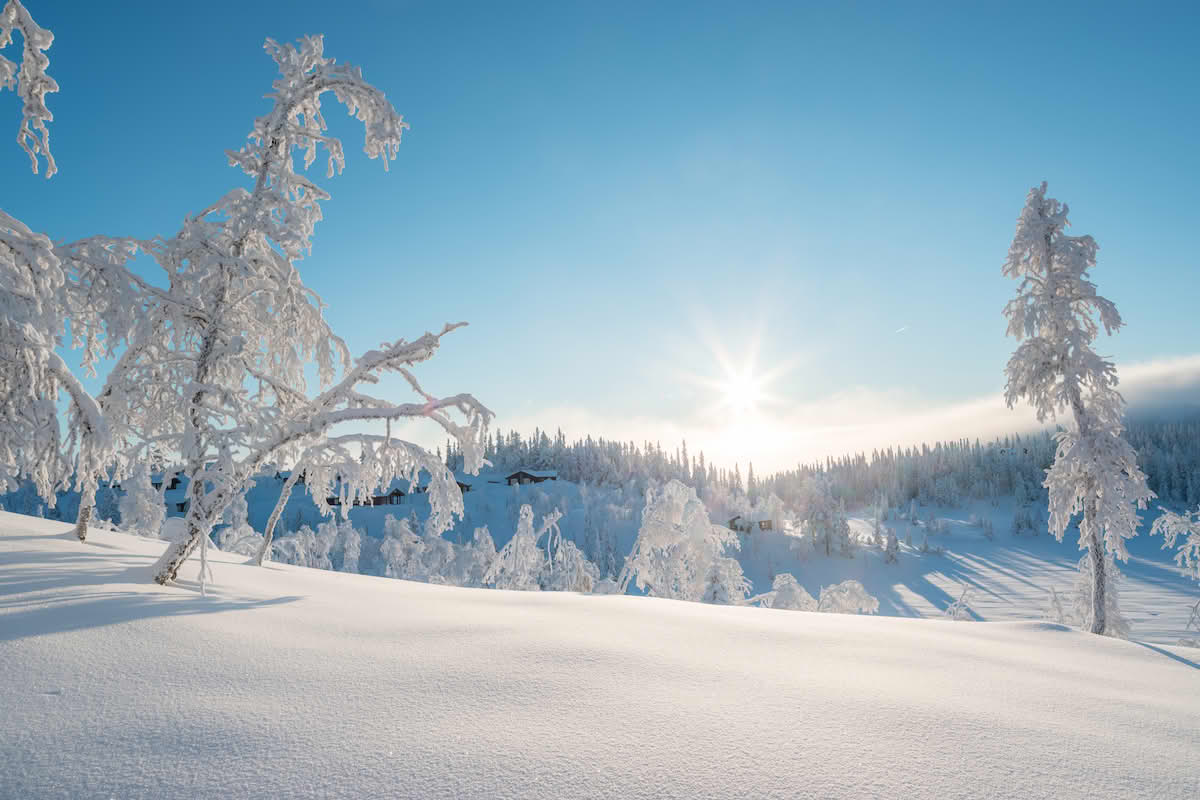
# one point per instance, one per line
(58, 592)
(1170, 655)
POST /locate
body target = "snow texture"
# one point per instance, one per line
(289, 682)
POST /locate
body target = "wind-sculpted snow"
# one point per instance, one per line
(288, 682)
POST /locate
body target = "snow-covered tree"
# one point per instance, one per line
(823, 518)
(891, 552)
(960, 609)
(521, 563)
(847, 597)
(1184, 529)
(248, 330)
(349, 546)
(569, 570)
(141, 507)
(401, 550)
(473, 560)
(676, 545)
(787, 593)
(237, 536)
(1054, 316)
(305, 547)
(80, 295)
(1054, 610)
(725, 584)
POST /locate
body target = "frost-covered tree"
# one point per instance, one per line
(305, 547)
(1183, 529)
(521, 563)
(1054, 608)
(823, 518)
(725, 584)
(237, 536)
(1056, 316)
(847, 597)
(569, 570)
(960, 609)
(141, 507)
(891, 552)
(248, 331)
(787, 593)
(401, 550)
(676, 545)
(475, 559)
(77, 295)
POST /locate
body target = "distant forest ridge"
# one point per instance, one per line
(945, 472)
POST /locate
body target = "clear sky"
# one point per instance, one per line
(633, 202)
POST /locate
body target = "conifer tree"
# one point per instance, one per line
(1056, 316)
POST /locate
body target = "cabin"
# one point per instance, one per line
(524, 476)
(157, 481)
(181, 506)
(742, 525)
(463, 487)
(393, 498)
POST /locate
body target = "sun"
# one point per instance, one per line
(742, 394)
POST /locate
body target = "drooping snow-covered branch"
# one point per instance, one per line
(30, 81)
(1186, 527)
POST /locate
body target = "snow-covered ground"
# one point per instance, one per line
(1009, 577)
(289, 682)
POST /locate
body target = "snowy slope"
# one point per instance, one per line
(302, 683)
(1009, 577)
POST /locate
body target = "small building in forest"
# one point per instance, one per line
(523, 476)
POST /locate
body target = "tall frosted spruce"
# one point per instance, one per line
(1056, 316)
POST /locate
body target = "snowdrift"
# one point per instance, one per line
(289, 682)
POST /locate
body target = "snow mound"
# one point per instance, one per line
(290, 682)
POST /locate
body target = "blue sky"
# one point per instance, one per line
(628, 199)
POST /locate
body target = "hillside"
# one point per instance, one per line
(292, 682)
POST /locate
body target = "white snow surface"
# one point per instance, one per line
(290, 682)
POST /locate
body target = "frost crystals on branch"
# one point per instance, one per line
(30, 81)
(1057, 315)
(1186, 527)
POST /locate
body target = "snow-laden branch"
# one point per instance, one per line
(1186, 526)
(30, 81)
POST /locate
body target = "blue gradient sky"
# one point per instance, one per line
(621, 197)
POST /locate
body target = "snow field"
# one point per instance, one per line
(304, 683)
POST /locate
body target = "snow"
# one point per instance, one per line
(292, 682)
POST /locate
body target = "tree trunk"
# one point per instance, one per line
(86, 501)
(176, 553)
(276, 513)
(1099, 578)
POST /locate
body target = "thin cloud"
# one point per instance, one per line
(855, 420)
